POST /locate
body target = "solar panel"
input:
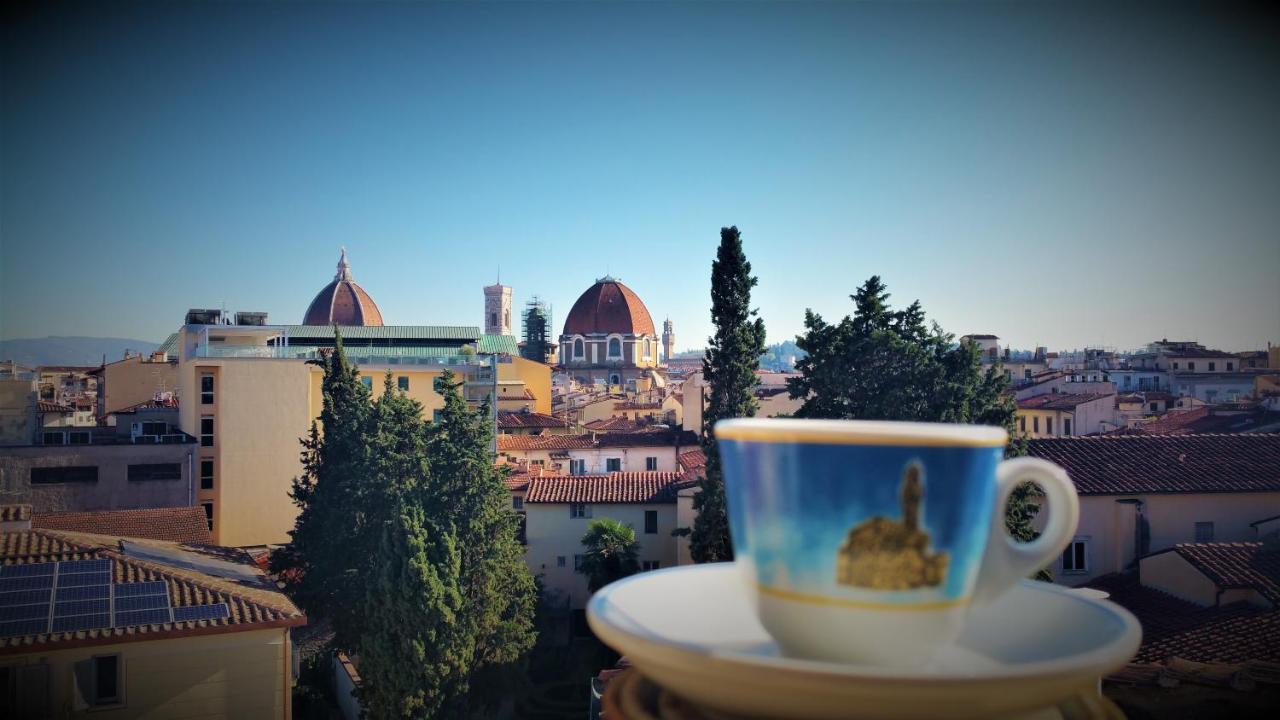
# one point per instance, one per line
(26, 570)
(74, 623)
(88, 592)
(142, 617)
(81, 607)
(81, 579)
(24, 627)
(25, 597)
(142, 602)
(71, 567)
(157, 587)
(201, 612)
(24, 612)
(29, 582)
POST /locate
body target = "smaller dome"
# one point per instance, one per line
(343, 302)
(609, 307)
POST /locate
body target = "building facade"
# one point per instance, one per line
(609, 338)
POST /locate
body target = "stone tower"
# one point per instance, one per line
(668, 340)
(497, 310)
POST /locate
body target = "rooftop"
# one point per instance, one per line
(1237, 565)
(618, 487)
(192, 576)
(177, 524)
(521, 420)
(607, 307)
(1059, 401)
(574, 442)
(1140, 464)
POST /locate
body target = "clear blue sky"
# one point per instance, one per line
(1056, 176)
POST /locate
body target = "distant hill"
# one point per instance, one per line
(70, 350)
(781, 356)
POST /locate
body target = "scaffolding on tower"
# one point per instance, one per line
(536, 319)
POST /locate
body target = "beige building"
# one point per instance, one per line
(214, 643)
(1141, 494)
(1067, 414)
(559, 508)
(138, 379)
(19, 393)
(771, 396)
(590, 454)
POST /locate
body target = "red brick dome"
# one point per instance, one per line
(609, 307)
(343, 302)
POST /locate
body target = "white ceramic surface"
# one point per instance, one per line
(692, 630)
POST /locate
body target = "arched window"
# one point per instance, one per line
(577, 348)
(615, 347)
(615, 379)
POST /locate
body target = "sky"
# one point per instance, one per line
(1056, 175)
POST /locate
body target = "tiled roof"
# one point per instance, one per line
(1139, 464)
(179, 524)
(1059, 401)
(637, 406)
(15, 513)
(48, 407)
(497, 345)
(616, 424)
(619, 487)
(169, 402)
(1237, 565)
(574, 442)
(693, 461)
(1193, 420)
(513, 420)
(254, 604)
(1194, 353)
(1171, 627)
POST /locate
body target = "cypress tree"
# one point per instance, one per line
(729, 368)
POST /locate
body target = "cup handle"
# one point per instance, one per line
(1008, 561)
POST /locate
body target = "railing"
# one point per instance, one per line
(394, 355)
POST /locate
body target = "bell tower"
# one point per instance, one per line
(497, 310)
(668, 340)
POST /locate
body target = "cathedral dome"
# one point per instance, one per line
(343, 302)
(609, 307)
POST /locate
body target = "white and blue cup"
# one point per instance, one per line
(869, 542)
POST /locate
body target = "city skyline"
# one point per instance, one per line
(1057, 177)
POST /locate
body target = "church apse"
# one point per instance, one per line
(885, 554)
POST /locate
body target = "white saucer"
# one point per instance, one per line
(692, 630)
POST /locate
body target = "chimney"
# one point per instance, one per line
(15, 517)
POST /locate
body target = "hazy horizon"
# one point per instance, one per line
(1065, 176)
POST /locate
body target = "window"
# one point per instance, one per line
(578, 467)
(1204, 532)
(78, 437)
(1191, 366)
(559, 561)
(155, 471)
(517, 503)
(1230, 367)
(1066, 426)
(577, 562)
(206, 474)
(206, 431)
(615, 348)
(1075, 559)
(55, 438)
(648, 565)
(577, 348)
(651, 464)
(1022, 424)
(66, 474)
(100, 680)
(1175, 366)
(155, 428)
(402, 382)
(208, 513)
(206, 389)
(613, 465)
(579, 510)
(651, 522)
(368, 382)
(1026, 374)
(1155, 407)
(1035, 424)
(24, 691)
(493, 319)
(1048, 426)
(436, 415)
(1212, 367)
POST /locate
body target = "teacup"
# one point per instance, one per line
(868, 542)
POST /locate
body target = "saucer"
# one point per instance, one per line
(692, 630)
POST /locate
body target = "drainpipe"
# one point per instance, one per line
(191, 477)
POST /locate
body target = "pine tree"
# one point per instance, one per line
(882, 364)
(329, 543)
(729, 368)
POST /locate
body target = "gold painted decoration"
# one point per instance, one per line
(885, 554)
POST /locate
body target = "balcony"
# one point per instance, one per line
(387, 355)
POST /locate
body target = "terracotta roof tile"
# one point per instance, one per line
(48, 407)
(1193, 420)
(693, 461)
(637, 406)
(179, 524)
(543, 442)
(15, 513)
(620, 487)
(1237, 565)
(1136, 464)
(1059, 401)
(575, 442)
(252, 605)
(512, 420)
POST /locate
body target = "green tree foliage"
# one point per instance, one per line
(406, 543)
(886, 364)
(729, 368)
(612, 552)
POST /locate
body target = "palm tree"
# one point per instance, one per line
(612, 553)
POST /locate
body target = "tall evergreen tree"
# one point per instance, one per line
(729, 368)
(330, 540)
(885, 364)
(612, 552)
